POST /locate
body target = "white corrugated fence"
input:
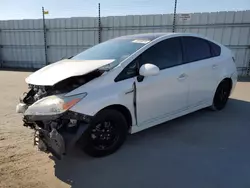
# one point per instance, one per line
(22, 41)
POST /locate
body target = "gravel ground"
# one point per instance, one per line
(204, 149)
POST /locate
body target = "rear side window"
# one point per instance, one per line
(215, 49)
(196, 49)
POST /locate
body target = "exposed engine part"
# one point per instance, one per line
(37, 92)
(50, 125)
(28, 124)
(40, 93)
(77, 116)
(72, 123)
(55, 125)
(28, 98)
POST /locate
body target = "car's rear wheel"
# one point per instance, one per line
(106, 133)
(221, 95)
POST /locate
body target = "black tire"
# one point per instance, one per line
(96, 136)
(221, 95)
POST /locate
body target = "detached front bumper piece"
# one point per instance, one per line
(55, 133)
(58, 144)
(50, 142)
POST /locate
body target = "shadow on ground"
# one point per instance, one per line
(18, 69)
(204, 149)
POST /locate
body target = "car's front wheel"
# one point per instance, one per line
(221, 95)
(106, 133)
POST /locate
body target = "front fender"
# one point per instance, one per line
(114, 94)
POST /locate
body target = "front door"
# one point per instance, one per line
(164, 95)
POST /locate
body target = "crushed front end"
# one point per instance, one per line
(46, 109)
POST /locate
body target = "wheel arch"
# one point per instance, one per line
(227, 79)
(122, 109)
(230, 82)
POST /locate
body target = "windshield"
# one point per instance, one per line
(117, 49)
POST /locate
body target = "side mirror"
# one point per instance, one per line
(149, 70)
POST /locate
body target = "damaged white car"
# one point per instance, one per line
(122, 86)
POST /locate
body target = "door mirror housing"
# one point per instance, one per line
(149, 70)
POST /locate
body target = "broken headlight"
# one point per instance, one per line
(55, 104)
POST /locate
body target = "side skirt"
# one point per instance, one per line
(135, 129)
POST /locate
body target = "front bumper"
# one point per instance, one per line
(58, 142)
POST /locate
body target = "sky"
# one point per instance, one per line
(31, 9)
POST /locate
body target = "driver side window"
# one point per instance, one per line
(165, 54)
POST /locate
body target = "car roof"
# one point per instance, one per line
(153, 36)
(146, 36)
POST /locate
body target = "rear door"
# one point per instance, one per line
(203, 70)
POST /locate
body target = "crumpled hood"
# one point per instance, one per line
(61, 70)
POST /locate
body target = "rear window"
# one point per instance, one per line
(196, 49)
(215, 49)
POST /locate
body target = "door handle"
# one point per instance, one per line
(182, 76)
(214, 66)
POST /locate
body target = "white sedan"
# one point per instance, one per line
(122, 86)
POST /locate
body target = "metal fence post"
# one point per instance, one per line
(99, 24)
(45, 37)
(248, 68)
(175, 5)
